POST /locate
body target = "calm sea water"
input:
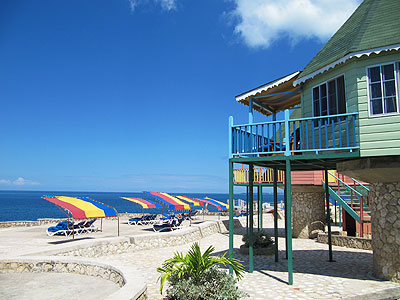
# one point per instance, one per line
(28, 205)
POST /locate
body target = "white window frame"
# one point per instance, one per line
(327, 95)
(396, 79)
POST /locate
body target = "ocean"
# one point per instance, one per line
(29, 206)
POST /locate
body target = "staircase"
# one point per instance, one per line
(354, 199)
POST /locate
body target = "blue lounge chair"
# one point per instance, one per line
(170, 226)
(64, 227)
(242, 214)
(88, 226)
(135, 221)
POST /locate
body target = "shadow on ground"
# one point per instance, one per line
(347, 264)
(70, 240)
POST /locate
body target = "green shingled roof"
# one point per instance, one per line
(374, 24)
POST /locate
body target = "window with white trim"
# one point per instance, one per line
(382, 89)
(329, 98)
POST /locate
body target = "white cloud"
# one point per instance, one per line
(21, 181)
(165, 4)
(261, 22)
(5, 181)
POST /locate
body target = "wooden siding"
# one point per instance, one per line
(378, 136)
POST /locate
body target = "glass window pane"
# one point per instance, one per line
(374, 74)
(315, 93)
(316, 108)
(332, 100)
(388, 72)
(376, 90)
(376, 107)
(323, 90)
(316, 101)
(341, 95)
(390, 105)
(324, 106)
(390, 88)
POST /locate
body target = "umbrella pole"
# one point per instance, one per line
(73, 231)
(118, 224)
(190, 217)
(101, 224)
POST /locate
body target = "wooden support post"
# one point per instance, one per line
(276, 213)
(328, 215)
(251, 179)
(288, 207)
(230, 212)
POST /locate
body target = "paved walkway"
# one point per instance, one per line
(53, 286)
(315, 278)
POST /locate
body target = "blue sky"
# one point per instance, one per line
(122, 95)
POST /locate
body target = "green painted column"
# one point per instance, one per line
(230, 211)
(288, 207)
(328, 216)
(285, 210)
(276, 213)
(260, 208)
(251, 180)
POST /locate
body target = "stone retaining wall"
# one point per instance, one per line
(153, 240)
(132, 286)
(31, 266)
(346, 241)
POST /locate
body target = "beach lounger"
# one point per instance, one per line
(62, 228)
(88, 226)
(242, 214)
(170, 226)
(135, 221)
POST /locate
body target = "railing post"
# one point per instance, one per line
(251, 111)
(230, 137)
(287, 134)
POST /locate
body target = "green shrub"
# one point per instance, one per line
(214, 284)
(195, 276)
(261, 239)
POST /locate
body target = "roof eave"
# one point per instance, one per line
(303, 79)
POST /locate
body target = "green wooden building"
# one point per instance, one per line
(348, 101)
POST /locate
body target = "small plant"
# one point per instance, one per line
(195, 276)
(261, 239)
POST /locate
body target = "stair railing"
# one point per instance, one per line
(354, 195)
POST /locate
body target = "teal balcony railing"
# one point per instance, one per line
(294, 136)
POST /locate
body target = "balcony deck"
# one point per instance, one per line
(309, 143)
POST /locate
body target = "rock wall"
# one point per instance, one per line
(102, 271)
(346, 241)
(141, 242)
(308, 213)
(385, 221)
